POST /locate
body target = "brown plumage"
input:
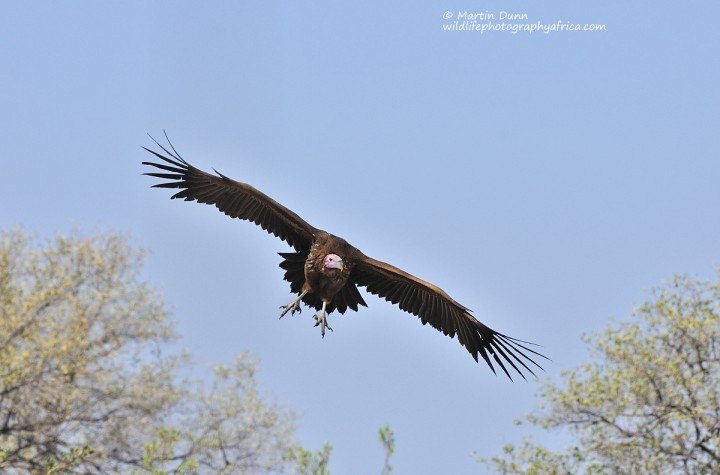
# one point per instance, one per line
(326, 271)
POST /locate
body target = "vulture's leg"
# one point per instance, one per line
(321, 319)
(293, 306)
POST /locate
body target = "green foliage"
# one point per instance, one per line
(160, 453)
(649, 402)
(387, 439)
(68, 461)
(531, 459)
(309, 462)
(232, 428)
(85, 387)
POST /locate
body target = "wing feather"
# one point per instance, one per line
(235, 199)
(432, 305)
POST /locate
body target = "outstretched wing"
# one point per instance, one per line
(437, 308)
(235, 199)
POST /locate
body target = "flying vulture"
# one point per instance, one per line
(326, 271)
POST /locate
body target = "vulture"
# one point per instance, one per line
(325, 271)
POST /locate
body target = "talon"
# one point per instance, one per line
(321, 320)
(293, 306)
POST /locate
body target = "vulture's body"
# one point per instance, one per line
(325, 271)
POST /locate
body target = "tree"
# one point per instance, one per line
(308, 462)
(86, 384)
(649, 402)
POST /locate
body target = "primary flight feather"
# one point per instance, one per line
(325, 271)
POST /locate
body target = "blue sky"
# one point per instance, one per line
(545, 181)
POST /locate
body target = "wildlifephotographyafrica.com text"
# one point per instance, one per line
(512, 22)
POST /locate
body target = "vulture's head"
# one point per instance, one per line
(333, 261)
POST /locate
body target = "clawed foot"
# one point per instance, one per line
(293, 306)
(321, 320)
(320, 317)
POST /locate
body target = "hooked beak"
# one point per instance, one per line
(340, 265)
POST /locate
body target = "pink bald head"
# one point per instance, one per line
(333, 261)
